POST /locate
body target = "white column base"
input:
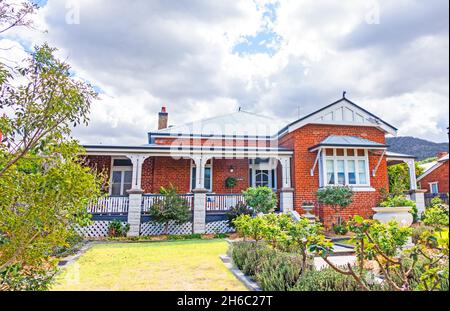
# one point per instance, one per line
(286, 201)
(199, 212)
(134, 213)
(418, 196)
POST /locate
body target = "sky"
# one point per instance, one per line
(281, 58)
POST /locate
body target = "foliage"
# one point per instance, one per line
(399, 181)
(328, 279)
(436, 216)
(73, 243)
(338, 197)
(279, 272)
(386, 244)
(240, 209)
(170, 208)
(44, 186)
(261, 199)
(230, 182)
(221, 235)
(247, 256)
(340, 229)
(29, 278)
(117, 228)
(194, 236)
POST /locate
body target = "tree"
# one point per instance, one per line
(170, 208)
(337, 197)
(44, 186)
(15, 15)
(399, 178)
(261, 199)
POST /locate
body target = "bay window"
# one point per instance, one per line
(349, 167)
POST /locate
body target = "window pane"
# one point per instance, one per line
(329, 152)
(124, 162)
(115, 189)
(193, 177)
(128, 176)
(330, 172)
(362, 172)
(340, 152)
(350, 152)
(361, 153)
(208, 178)
(262, 178)
(434, 188)
(341, 172)
(351, 172)
(116, 177)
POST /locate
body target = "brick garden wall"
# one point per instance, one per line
(439, 175)
(306, 186)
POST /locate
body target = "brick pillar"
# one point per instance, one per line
(199, 212)
(134, 212)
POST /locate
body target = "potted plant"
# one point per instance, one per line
(308, 206)
(397, 208)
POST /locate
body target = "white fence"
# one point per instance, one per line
(109, 205)
(222, 202)
(149, 199)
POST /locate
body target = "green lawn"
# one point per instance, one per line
(182, 265)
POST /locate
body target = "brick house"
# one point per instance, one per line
(435, 178)
(340, 144)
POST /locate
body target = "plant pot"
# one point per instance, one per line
(308, 209)
(402, 215)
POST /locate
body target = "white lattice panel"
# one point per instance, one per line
(150, 228)
(218, 227)
(97, 229)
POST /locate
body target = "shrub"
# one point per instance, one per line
(116, 229)
(418, 232)
(170, 208)
(221, 235)
(327, 279)
(236, 211)
(261, 199)
(18, 278)
(436, 216)
(247, 256)
(338, 197)
(340, 229)
(71, 247)
(279, 272)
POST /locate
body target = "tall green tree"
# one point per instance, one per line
(399, 177)
(44, 186)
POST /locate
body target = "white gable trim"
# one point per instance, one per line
(431, 169)
(346, 113)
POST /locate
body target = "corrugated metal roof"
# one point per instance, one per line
(348, 141)
(399, 155)
(443, 159)
(239, 123)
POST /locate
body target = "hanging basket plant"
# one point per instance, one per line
(230, 182)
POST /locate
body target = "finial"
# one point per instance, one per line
(343, 94)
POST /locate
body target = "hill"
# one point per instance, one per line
(420, 148)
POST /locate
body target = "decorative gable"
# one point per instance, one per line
(343, 112)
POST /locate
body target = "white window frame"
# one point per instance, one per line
(431, 187)
(270, 166)
(323, 167)
(192, 183)
(121, 169)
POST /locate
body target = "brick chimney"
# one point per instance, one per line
(441, 154)
(163, 118)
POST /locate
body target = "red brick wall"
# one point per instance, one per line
(221, 171)
(167, 170)
(101, 164)
(147, 175)
(439, 175)
(306, 186)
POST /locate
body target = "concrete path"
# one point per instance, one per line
(319, 263)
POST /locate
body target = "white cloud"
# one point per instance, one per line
(145, 54)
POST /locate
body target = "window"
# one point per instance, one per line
(345, 167)
(434, 187)
(121, 177)
(207, 176)
(262, 173)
